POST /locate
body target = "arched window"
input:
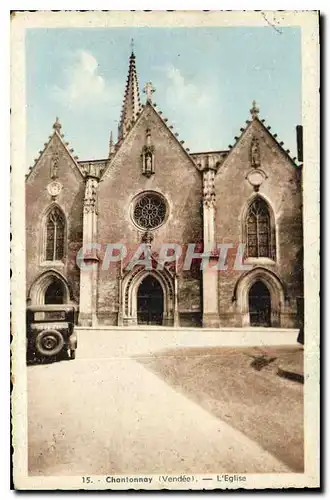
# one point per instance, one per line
(54, 237)
(258, 230)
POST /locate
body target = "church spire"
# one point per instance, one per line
(131, 106)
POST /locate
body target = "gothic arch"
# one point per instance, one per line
(273, 284)
(272, 223)
(130, 286)
(36, 295)
(44, 221)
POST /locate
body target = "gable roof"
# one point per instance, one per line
(145, 107)
(255, 118)
(58, 135)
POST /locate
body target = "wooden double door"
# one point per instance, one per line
(150, 302)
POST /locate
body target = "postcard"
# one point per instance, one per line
(165, 250)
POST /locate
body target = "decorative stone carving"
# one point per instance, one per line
(91, 170)
(254, 110)
(149, 211)
(94, 169)
(147, 238)
(57, 126)
(256, 177)
(208, 188)
(90, 195)
(255, 153)
(54, 164)
(148, 163)
(148, 167)
(149, 90)
(54, 188)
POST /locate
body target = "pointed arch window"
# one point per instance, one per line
(54, 235)
(259, 233)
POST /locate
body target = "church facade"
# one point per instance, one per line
(150, 190)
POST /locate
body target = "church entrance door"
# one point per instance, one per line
(150, 302)
(54, 293)
(259, 305)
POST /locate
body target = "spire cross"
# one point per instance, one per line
(132, 45)
(149, 90)
(57, 125)
(254, 110)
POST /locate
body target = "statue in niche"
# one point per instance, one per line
(148, 164)
(255, 153)
(148, 156)
(54, 165)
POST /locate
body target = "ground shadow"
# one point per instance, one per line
(250, 397)
(34, 359)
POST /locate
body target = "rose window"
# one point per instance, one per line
(149, 211)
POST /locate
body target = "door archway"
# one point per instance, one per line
(259, 305)
(150, 302)
(275, 287)
(54, 294)
(135, 285)
(50, 284)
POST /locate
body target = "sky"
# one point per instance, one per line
(205, 81)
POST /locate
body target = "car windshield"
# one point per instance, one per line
(49, 316)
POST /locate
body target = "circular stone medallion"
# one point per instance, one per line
(256, 177)
(54, 188)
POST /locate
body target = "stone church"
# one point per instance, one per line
(152, 189)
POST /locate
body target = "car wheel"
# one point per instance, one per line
(49, 342)
(73, 354)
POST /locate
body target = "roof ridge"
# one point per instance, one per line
(56, 133)
(174, 134)
(255, 116)
(169, 128)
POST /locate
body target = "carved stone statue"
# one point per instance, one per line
(148, 156)
(54, 165)
(147, 238)
(255, 153)
(148, 163)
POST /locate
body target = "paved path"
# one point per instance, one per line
(108, 416)
(99, 343)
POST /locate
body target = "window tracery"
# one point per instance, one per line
(258, 230)
(149, 211)
(55, 226)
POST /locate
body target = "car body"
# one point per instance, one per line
(50, 330)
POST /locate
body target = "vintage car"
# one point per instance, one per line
(50, 331)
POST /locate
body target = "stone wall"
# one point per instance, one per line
(177, 179)
(281, 189)
(38, 200)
